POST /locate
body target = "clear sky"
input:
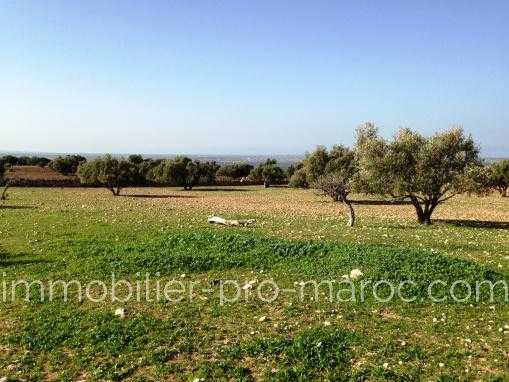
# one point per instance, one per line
(254, 77)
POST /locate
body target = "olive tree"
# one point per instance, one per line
(338, 179)
(320, 162)
(109, 172)
(499, 177)
(184, 172)
(426, 171)
(235, 170)
(268, 172)
(68, 164)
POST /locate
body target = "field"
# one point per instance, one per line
(35, 173)
(86, 234)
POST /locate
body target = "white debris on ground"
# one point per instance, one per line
(249, 285)
(235, 223)
(356, 274)
(121, 313)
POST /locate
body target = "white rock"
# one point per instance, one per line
(356, 274)
(121, 312)
(262, 318)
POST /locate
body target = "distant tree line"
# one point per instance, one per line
(181, 171)
(11, 160)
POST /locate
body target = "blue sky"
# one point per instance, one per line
(254, 77)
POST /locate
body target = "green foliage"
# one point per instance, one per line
(425, 170)
(112, 173)
(67, 165)
(202, 252)
(235, 170)
(312, 354)
(337, 179)
(299, 179)
(293, 168)
(141, 169)
(499, 177)
(184, 172)
(98, 335)
(268, 172)
(320, 162)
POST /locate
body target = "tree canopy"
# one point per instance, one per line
(499, 176)
(321, 162)
(184, 172)
(68, 164)
(112, 173)
(235, 170)
(268, 172)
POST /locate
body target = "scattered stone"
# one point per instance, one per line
(12, 367)
(356, 274)
(121, 313)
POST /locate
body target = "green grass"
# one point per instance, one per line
(85, 234)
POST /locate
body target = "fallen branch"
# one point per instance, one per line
(220, 220)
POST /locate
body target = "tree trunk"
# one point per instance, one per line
(114, 191)
(350, 212)
(426, 218)
(4, 192)
(418, 209)
(266, 184)
(424, 214)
